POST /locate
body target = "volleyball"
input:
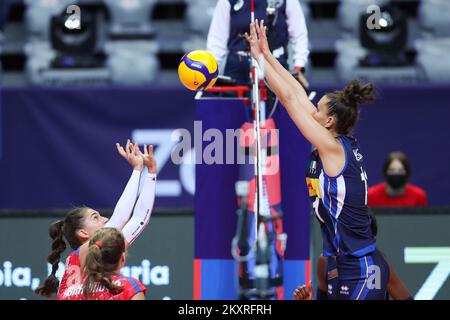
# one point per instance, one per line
(198, 70)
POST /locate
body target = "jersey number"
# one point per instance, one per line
(364, 178)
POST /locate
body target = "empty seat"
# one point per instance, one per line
(199, 14)
(349, 53)
(434, 15)
(132, 62)
(38, 14)
(306, 10)
(131, 17)
(432, 57)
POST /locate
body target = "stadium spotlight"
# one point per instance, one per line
(387, 43)
(75, 46)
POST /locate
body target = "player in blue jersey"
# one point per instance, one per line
(395, 287)
(336, 178)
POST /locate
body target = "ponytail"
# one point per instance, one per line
(344, 104)
(51, 284)
(102, 260)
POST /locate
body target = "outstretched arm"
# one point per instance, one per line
(297, 88)
(302, 117)
(138, 296)
(127, 200)
(144, 205)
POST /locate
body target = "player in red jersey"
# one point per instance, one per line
(101, 259)
(80, 224)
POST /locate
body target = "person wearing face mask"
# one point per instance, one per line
(396, 191)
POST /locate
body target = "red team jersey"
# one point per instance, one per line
(413, 197)
(71, 286)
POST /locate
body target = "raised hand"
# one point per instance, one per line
(132, 154)
(261, 31)
(304, 292)
(149, 159)
(252, 40)
(257, 39)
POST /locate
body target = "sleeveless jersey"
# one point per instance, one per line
(340, 203)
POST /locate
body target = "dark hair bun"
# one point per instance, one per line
(356, 93)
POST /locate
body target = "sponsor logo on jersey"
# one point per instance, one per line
(332, 274)
(344, 290)
(313, 187)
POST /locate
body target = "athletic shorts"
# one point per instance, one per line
(352, 278)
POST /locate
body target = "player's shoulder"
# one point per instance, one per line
(73, 258)
(131, 287)
(349, 139)
(351, 145)
(130, 283)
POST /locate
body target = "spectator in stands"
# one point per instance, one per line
(396, 191)
(231, 20)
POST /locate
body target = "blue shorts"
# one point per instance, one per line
(352, 278)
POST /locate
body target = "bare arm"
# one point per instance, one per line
(321, 272)
(396, 289)
(281, 71)
(297, 88)
(304, 292)
(309, 127)
(330, 150)
(138, 296)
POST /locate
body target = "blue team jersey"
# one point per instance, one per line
(340, 203)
